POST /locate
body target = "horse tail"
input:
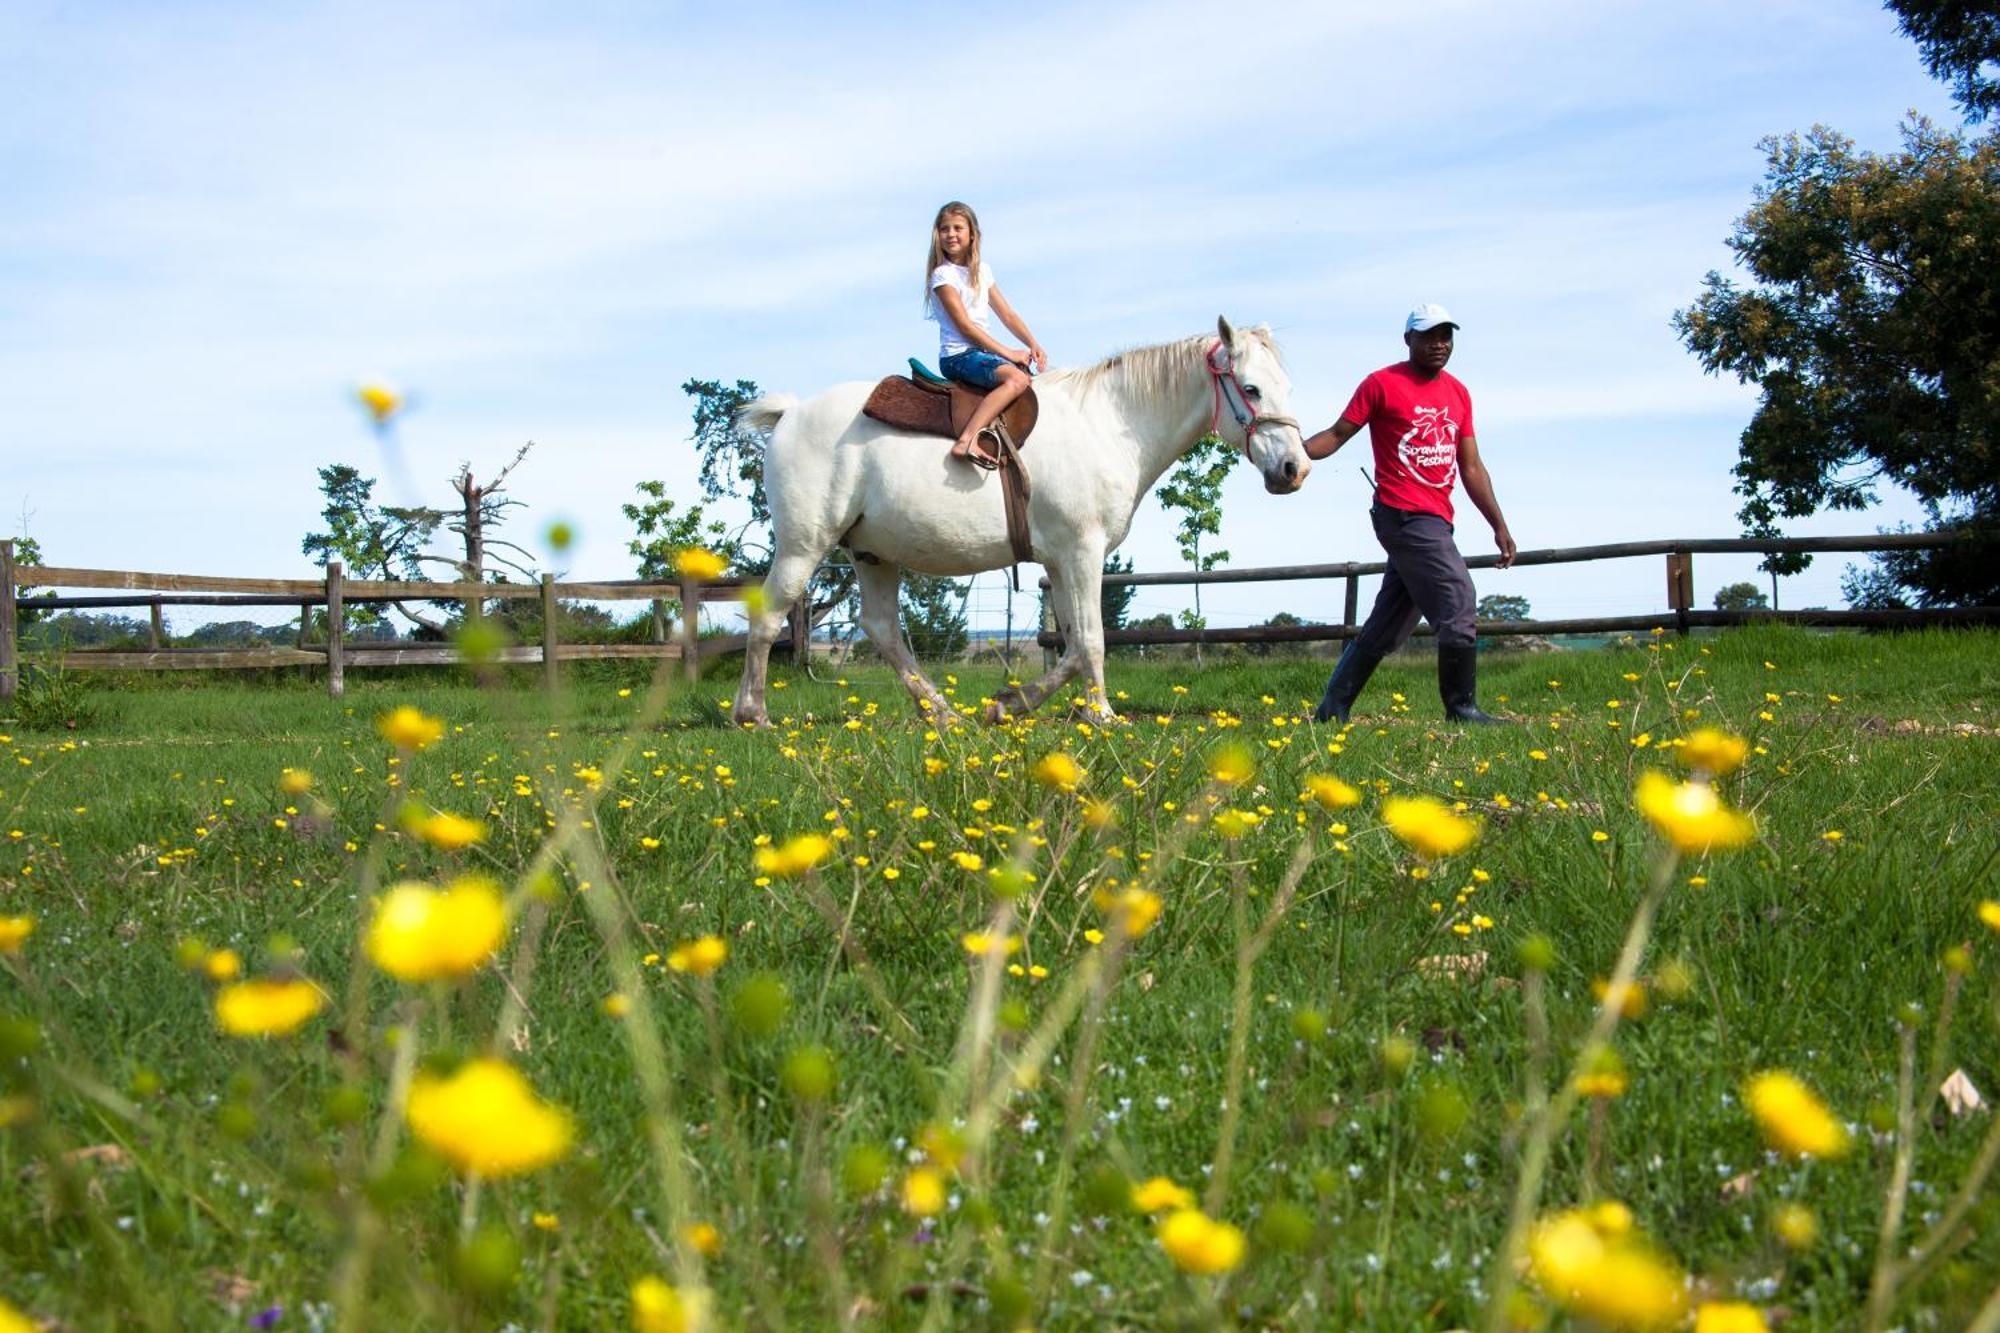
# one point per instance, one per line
(763, 414)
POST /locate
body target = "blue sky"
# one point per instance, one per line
(542, 219)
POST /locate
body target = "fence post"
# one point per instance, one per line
(336, 631)
(1048, 626)
(1680, 587)
(156, 629)
(549, 678)
(1353, 605)
(802, 631)
(691, 631)
(10, 671)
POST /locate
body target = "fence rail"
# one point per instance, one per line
(334, 592)
(1680, 616)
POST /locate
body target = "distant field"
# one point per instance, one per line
(1323, 1037)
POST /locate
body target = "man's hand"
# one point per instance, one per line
(1038, 360)
(1505, 541)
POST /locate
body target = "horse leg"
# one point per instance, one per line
(784, 585)
(1017, 700)
(1083, 577)
(881, 585)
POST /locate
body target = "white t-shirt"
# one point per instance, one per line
(978, 305)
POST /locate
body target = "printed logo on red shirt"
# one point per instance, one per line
(1431, 446)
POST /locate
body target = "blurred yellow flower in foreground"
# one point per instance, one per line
(703, 1237)
(1136, 909)
(924, 1192)
(1796, 1225)
(1729, 1317)
(1989, 912)
(1589, 1261)
(266, 1007)
(1690, 814)
(1059, 771)
(421, 934)
(1231, 765)
(1792, 1117)
(700, 957)
(659, 1308)
(222, 965)
(1160, 1195)
(14, 932)
(1198, 1244)
(449, 832)
(13, 1321)
(407, 727)
(796, 857)
(1713, 751)
(1331, 792)
(695, 563)
(486, 1120)
(295, 782)
(980, 944)
(381, 401)
(1428, 827)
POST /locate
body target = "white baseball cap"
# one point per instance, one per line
(1428, 316)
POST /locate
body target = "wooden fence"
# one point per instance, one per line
(335, 592)
(1680, 615)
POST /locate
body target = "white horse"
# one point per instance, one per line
(1105, 434)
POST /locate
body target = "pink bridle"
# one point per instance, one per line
(1230, 390)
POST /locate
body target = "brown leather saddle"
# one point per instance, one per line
(942, 407)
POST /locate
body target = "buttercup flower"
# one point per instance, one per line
(295, 782)
(1137, 909)
(695, 563)
(14, 932)
(795, 858)
(703, 1237)
(1160, 1195)
(486, 1120)
(1231, 765)
(421, 934)
(1058, 771)
(699, 957)
(1989, 912)
(924, 1192)
(659, 1308)
(1427, 826)
(1713, 751)
(1793, 1119)
(1198, 1244)
(1729, 1317)
(1690, 814)
(1589, 1261)
(408, 728)
(267, 1007)
(451, 833)
(1331, 792)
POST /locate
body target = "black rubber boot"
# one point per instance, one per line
(1343, 687)
(1458, 684)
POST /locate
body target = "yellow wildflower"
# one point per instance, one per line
(1235, 823)
(968, 860)
(1099, 814)
(1632, 1001)
(222, 965)
(486, 1120)
(1792, 1117)
(1231, 765)
(1059, 771)
(451, 833)
(408, 728)
(796, 857)
(1198, 1244)
(1591, 1263)
(1160, 1195)
(979, 944)
(381, 401)
(1331, 792)
(13, 1321)
(1136, 908)
(1729, 1317)
(267, 1007)
(1796, 1225)
(1690, 814)
(659, 1308)
(295, 782)
(703, 1237)
(1989, 912)
(14, 931)
(1712, 751)
(1427, 826)
(700, 957)
(695, 563)
(924, 1192)
(421, 934)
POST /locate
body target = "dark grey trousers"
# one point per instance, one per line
(1427, 577)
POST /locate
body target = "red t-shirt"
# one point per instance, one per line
(1415, 425)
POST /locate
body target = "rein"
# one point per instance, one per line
(1228, 389)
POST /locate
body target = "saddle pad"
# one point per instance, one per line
(943, 410)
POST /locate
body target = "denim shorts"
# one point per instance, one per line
(973, 366)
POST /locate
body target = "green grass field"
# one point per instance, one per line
(1329, 1041)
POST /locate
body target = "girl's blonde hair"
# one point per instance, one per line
(937, 251)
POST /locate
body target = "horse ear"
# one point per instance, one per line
(1227, 334)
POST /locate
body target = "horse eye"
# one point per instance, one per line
(1252, 391)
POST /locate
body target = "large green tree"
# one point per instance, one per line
(1960, 43)
(1871, 325)
(1194, 488)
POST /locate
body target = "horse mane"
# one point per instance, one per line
(1154, 372)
